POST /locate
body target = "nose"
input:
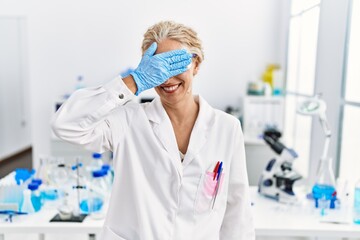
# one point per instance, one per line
(167, 81)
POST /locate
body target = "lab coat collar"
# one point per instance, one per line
(200, 132)
(165, 133)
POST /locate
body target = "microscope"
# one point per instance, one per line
(278, 178)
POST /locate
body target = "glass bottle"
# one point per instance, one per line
(324, 187)
(27, 205)
(95, 164)
(35, 196)
(97, 194)
(93, 196)
(108, 175)
(356, 210)
(80, 82)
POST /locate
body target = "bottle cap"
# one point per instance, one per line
(38, 181)
(97, 155)
(105, 167)
(33, 186)
(98, 173)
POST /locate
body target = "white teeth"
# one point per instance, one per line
(170, 89)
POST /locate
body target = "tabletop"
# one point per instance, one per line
(271, 219)
(277, 219)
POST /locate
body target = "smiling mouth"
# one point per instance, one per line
(170, 88)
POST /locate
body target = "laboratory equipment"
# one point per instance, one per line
(50, 193)
(27, 205)
(79, 83)
(273, 78)
(108, 175)
(260, 113)
(35, 196)
(58, 174)
(278, 178)
(255, 88)
(22, 175)
(12, 187)
(69, 210)
(93, 203)
(97, 162)
(38, 181)
(65, 212)
(324, 187)
(356, 210)
(10, 214)
(78, 185)
(42, 170)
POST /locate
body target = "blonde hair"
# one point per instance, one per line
(175, 31)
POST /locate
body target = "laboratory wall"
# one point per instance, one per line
(15, 123)
(99, 40)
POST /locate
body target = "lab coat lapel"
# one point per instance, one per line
(164, 131)
(200, 132)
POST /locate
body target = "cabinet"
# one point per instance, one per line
(261, 112)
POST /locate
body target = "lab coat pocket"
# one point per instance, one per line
(108, 234)
(208, 192)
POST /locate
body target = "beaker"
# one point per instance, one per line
(324, 187)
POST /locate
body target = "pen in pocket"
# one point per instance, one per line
(218, 179)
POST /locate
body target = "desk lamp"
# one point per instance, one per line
(324, 187)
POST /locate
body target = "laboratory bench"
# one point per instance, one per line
(302, 220)
(270, 217)
(39, 223)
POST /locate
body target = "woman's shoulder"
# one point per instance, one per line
(226, 119)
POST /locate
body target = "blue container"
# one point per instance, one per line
(91, 205)
(356, 210)
(35, 196)
(321, 191)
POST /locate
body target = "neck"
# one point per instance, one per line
(183, 111)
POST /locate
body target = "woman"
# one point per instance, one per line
(180, 164)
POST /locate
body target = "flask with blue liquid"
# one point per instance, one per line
(35, 196)
(324, 192)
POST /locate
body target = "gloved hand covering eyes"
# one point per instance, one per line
(154, 70)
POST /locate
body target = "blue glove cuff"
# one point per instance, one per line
(138, 83)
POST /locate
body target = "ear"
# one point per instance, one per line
(196, 67)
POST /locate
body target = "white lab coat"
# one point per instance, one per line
(155, 195)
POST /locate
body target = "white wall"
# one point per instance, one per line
(99, 39)
(14, 106)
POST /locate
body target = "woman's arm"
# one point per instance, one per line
(82, 119)
(238, 220)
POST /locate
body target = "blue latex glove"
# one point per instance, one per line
(154, 70)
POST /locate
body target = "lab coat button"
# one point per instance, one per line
(121, 96)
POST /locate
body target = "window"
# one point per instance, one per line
(300, 80)
(350, 128)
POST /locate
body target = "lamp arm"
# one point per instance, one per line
(326, 148)
(325, 126)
